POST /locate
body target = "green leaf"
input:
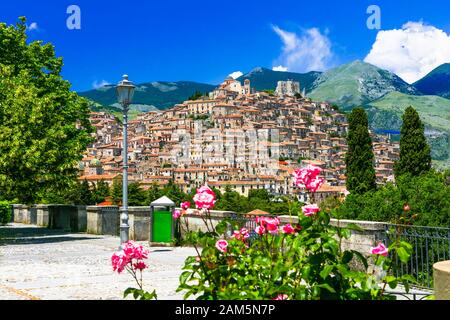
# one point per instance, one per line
(347, 257)
(128, 291)
(403, 254)
(184, 276)
(361, 258)
(327, 287)
(326, 271)
(345, 233)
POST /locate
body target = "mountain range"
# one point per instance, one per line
(382, 93)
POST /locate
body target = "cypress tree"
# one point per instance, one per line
(415, 154)
(359, 159)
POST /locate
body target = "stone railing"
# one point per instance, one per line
(105, 220)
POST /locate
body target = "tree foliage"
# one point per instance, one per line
(428, 196)
(415, 153)
(44, 127)
(359, 159)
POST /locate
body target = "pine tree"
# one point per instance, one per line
(415, 156)
(359, 159)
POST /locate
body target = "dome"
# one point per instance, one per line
(95, 163)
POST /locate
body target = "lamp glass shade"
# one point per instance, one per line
(125, 91)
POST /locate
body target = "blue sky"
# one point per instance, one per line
(205, 41)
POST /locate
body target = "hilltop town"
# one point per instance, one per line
(235, 137)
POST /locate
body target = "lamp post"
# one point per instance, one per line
(125, 91)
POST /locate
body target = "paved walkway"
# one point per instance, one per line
(38, 263)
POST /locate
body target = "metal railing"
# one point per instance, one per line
(430, 245)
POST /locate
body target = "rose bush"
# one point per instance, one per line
(131, 258)
(302, 261)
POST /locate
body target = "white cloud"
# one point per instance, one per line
(280, 68)
(235, 74)
(410, 52)
(98, 84)
(33, 26)
(308, 51)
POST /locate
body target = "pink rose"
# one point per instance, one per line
(346, 192)
(314, 184)
(310, 209)
(185, 205)
(133, 250)
(281, 297)
(176, 214)
(119, 261)
(206, 189)
(244, 232)
(241, 234)
(380, 249)
(288, 229)
(204, 198)
(222, 245)
(139, 265)
(270, 224)
(260, 230)
(307, 177)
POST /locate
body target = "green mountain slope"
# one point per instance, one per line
(160, 94)
(356, 84)
(386, 112)
(262, 78)
(437, 82)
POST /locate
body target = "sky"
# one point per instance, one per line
(205, 41)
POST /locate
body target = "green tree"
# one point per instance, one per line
(359, 158)
(153, 193)
(415, 154)
(174, 193)
(86, 195)
(44, 127)
(136, 195)
(428, 196)
(101, 191)
(116, 190)
(197, 95)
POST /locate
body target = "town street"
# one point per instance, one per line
(38, 263)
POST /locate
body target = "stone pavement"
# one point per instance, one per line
(38, 263)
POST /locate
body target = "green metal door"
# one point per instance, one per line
(162, 226)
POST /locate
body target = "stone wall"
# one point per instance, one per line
(103, 220)
(54, 216)
(139, 220)
(106, 220)
(371, 232)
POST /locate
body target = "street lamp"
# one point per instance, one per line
(125, 91)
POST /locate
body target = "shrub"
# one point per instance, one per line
(301, 262)
(5, 212)
(427, 195)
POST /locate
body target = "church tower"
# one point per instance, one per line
(247, 87)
